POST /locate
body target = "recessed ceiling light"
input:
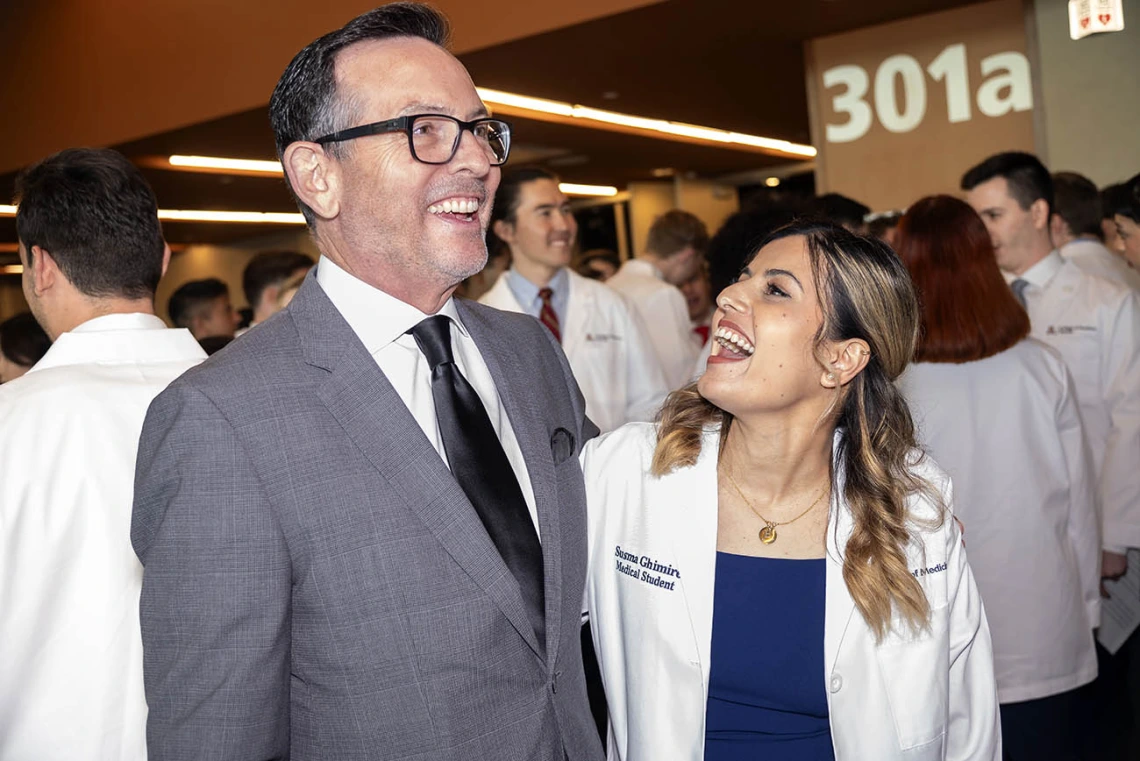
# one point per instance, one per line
(772, 182)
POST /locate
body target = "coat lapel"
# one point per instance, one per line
(366, 405)
(840, 606)
(527, 413)
(693, 528)
(579, 307)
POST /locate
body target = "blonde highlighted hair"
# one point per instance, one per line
(864, 293)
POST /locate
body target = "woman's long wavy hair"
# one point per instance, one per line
(866, 293)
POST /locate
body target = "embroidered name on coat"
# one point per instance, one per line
(645, 569)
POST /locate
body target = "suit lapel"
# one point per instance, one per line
(372, 414)
(527, 413)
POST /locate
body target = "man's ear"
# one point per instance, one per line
(45, 270)
(504, 230)
(165, 257)
(1039, 211)
(314, 177)
(846, 360)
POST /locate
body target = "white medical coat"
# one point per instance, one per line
(929, 696)
(1007, 431)
(71, 659)
(665, 315)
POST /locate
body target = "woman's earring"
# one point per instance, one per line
(831, 377)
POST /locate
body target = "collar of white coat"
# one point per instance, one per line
(643, 267)
(1044, 271)
(377, 318)
(120, 339)
(526, 292)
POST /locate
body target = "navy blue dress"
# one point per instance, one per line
(767, 696)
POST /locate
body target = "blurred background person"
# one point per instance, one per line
(605, 343)
(884, 226)
(597, 264)
(204, 308)
(266, 276)
(841, 210)
(1092, 322)
(1126, 219)
(1112, 197)
(673, 251)
(997, 411)
(698, 298)
(22, 344)
(71, 659)
(1076, 230)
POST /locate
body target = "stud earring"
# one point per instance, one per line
(831, 377)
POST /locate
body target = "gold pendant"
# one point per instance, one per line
(768, 534)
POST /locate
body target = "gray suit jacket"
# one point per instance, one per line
(317, 585)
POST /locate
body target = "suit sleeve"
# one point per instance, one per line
(1119, 487)
(216, 590)
(1084, 516)
(973, 730)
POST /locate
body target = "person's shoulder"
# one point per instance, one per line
(1104, 292)
(257, 361)
(632, 440)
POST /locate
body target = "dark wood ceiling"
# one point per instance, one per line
(732, 64)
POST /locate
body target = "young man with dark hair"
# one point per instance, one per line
(605, 342)
(71, 681)
(364, 523)
(1095, 325)
(650, 282)
(266, 275)
(204, 308)
(1076, 230)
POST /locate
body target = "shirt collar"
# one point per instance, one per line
(526, 292)
(377, 318)
(1041, 273)
(129, 321)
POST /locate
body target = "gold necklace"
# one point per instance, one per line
(768, 533)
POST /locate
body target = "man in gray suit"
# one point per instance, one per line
(363, 524)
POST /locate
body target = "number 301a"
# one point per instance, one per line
(1007, 89)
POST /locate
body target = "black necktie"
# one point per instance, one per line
(482, 469)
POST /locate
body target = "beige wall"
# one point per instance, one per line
(225, 263)
(1091, 94)
(711, 202)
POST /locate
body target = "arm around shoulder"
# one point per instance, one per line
(215, 607)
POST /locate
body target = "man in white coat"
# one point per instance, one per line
(1092, 322)
(1076, 230)
(603, 338)
(91, 244)
(673, 251)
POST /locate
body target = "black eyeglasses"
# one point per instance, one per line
(434, 138)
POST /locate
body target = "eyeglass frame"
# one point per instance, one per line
(404, 124)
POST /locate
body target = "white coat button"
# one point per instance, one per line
(836, 682)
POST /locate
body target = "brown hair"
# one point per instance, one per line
(968, 311)
(864, 293)
(674, 231)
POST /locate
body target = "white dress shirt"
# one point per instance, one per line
(663, 310)
(1007, 431)
(1092, 257)
(381, 322)
(71, 660)
(1095, 325)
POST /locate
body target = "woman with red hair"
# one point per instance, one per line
(996, 409)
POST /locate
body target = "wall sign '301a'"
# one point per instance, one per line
(1006, 88)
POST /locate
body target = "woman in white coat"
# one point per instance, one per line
(774, 573)
(998, 411)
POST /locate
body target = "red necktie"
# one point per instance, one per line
(547, 316)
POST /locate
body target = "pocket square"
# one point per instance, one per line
(561, 445)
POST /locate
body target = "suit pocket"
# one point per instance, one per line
(915, 670)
